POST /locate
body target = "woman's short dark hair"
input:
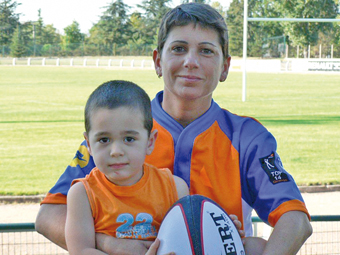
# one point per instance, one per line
(118, 93)
(193, 13)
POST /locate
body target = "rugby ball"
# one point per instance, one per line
(197, 225)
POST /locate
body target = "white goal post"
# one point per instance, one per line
(245, 32)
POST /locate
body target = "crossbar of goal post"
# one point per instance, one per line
(245, 32)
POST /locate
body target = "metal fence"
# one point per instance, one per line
(21, 238)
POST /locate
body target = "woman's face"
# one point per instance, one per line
(192, 62)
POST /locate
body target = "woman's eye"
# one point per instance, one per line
(104, 140)
(129, 139)
(178, 49)
(207, 51)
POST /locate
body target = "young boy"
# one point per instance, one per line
(122, 196)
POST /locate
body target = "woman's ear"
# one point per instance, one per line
(151, 141)
(225, 69)
(157, 62)
(88, 142)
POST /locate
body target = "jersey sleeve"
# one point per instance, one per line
(267, 186)
(80, 166)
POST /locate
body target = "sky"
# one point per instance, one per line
(61, 13)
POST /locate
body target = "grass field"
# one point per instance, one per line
(41, 120)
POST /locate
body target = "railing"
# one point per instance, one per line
(80, 62)
(21, 238)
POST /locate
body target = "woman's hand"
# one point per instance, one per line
(238, 225)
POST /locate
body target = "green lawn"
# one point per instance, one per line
(41, 120)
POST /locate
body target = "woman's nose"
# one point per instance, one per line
(191, 60)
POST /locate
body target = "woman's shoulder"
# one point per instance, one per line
(242, 122)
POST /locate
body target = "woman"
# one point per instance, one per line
(217, 153)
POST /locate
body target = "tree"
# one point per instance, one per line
(154, 10)
(219, 8)
(196, 1)
(9, 21)
(235, 27)
(306, 33)
(38, 28)
(17, 46)
(113, 27)
(262, 33)
(50, 35)
(73, 36)
(137, 40)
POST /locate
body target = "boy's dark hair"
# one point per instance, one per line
(194, 13)
(119, 93)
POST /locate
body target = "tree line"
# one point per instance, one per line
(120, 32)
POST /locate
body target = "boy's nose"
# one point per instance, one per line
(116, 150)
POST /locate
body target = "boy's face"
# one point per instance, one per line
(119, 143)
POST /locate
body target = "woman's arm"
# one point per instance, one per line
(79, 229)
(181, 186)
(50, 222)
(290, 232)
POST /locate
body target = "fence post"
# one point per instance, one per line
(29, 61)
(320, 55)
(13, 61)
(58, 62)
(121, 63)
(85, 60)
(71, 62)
(110, 62)
(143, 61)
(43, 61)
(132, 62)
(97, 63)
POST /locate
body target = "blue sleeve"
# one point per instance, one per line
(80, 166)
(266, 184)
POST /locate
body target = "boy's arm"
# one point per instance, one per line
(181, 186)
(79, 228)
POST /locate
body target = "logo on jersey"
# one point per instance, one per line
(81, 158)
(275, 175)
(140, 227)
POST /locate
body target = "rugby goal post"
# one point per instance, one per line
(245, 32)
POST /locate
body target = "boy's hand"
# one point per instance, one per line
(238, 225)
(154, 247)
(112, 245)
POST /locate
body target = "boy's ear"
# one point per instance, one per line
(88, 143)
(151, 141)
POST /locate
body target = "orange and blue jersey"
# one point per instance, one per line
(226, 157)
(127, 211)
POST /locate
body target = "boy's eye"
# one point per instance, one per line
(129, 139)
(104, 140)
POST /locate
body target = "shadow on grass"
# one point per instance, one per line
(302, 120)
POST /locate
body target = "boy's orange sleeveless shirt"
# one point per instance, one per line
(130, 211)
